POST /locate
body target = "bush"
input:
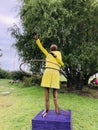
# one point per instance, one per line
(36, 80)
(5, 74)
(29, 81)
(17, 75)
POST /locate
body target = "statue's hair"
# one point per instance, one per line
(34, 33)
(53, 47)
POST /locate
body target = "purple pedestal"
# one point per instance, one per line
(53, 121)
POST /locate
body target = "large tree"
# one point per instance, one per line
(71, 24)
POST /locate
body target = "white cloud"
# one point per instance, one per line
(8, 16)
(5, 19)
(9, 60)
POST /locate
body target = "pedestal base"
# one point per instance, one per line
(53, 121)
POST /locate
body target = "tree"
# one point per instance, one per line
(72, 25)
(0, 53)
(82, 45)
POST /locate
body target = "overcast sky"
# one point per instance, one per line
(8, 16)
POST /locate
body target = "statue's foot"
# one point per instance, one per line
(57, 110)
(44, 113)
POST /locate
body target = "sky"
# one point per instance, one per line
(8, 16)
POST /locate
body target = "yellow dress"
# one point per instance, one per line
(51, 75)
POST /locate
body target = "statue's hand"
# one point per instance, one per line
(34, 34)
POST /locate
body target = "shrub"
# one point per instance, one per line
(29, 81)
(5, 74)
(17, 75)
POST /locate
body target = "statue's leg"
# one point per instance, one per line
(55, 96)
(47, 104)
(47, 98)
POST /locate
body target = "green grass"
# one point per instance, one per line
(19, 107)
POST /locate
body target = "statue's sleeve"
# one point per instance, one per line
(39, 44)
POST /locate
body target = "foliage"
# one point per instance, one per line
(82, 45)
(26, 78)
(29, 81)
(72, 25)
(36, 80)
(17, 75)
(0, 53)
(4, 74)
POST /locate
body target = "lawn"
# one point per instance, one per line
(18, 108)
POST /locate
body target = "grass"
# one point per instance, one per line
(19, 107)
